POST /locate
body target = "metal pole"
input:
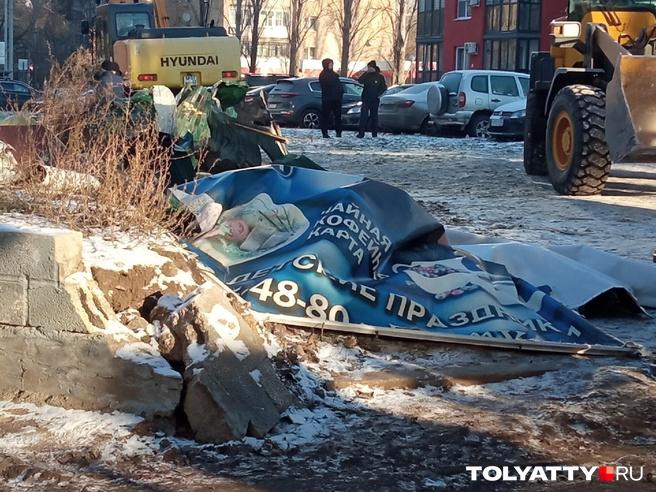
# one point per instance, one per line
(9, 38)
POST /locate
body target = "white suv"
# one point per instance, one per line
(469, 97)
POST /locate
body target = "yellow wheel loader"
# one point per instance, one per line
(135, 34)
(592, 98)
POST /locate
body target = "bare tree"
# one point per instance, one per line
(401, 17)
(248, 26)
(300, 26)
(256, 10)
(353, 18)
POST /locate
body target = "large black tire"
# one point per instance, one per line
(582, 167)
(311, 118)
(535, 132)
(479, 126)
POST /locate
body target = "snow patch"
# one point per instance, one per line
(80, 429)
(226, 324)
(120, 255)
(306, 427)
(257, 376)
(144, 354)
(197, 353)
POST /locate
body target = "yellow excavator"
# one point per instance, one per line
(136, 35)
(592, 98)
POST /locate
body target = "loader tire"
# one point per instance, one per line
(576, 149)
(535, 130)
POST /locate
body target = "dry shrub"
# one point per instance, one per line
(110, 170)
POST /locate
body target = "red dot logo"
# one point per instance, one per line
(607, 473)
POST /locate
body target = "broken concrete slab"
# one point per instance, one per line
(232, 387)
(223, 402)
(83, 371)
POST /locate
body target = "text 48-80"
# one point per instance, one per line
(286, 295)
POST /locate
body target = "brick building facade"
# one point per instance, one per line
(475, 34)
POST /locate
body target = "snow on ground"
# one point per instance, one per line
(570, 410)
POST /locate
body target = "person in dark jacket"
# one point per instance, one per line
(374, 87)
(331, 98)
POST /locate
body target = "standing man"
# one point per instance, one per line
(331, 98)
(374, 86)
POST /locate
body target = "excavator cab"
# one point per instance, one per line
(136, 36)
(115, 22)
(592, 97)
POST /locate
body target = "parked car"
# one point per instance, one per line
(469, 97)
(257, 80)
(265, 89)
(409, 109)
(352, 116)
(507, 121)
(298, 101)
(396, 88)
(14, 93)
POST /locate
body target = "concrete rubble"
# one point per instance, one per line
(230, 379)
(61, 342)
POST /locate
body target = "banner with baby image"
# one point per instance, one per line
(315, 248)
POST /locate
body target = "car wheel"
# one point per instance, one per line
(423, 129)
(310, 119)
(479, 126)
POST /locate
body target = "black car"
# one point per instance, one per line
(507, 121)
(257, 80)
(14, 94)
(255, 91)
(297, 102)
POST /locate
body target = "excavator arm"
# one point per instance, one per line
(160, 13)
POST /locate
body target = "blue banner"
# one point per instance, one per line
(339, 248)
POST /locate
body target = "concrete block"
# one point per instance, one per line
(52, 255)
(13, 301)
(51, 306)
(223, 402)
(268, 378)
(82, 371)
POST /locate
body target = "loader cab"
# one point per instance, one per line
(115, 22)
(577, 9)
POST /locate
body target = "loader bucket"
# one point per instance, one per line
(631, 110)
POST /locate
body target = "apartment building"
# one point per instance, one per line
(483, 34)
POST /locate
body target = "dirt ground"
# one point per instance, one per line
(455, 406)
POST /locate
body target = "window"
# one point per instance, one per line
(464, 9)
(462, 59)
(430, 18)
(510, 54)
(128, 21)
(513, 16)
(479, 84)
(429, 61)
(310, 53)
(523, 81)
(276, 19)
(352, 89)
(503, 86)
(22, 89)
(273, 50)
(312, 23)
(315, 86)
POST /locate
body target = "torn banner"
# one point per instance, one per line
(345, 251)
